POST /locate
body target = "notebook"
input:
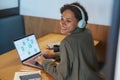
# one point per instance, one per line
(27, 74)
(28, 50)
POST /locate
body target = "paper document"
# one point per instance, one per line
(18, 74)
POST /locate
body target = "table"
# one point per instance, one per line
(10, 62)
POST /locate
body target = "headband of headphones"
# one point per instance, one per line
(82, 22)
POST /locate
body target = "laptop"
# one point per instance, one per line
(28, 50)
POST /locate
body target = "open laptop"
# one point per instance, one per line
(28, 50)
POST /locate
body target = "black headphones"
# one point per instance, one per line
(82, 22)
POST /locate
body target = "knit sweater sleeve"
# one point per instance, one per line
(59, 71)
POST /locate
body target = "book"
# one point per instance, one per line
(35, 76)
(28, 75)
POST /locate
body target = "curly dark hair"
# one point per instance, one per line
(75, 10)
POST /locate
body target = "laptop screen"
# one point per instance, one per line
(27, 46)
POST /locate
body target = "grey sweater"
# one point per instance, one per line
(77, 58)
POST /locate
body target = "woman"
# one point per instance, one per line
(77, 55)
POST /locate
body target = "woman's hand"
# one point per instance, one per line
(50, 53)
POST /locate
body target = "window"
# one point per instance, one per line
(9, 8)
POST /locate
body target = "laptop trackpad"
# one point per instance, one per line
(33, 63)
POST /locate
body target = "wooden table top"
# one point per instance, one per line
(10, 62)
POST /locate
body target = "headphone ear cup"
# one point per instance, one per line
(81, 23)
